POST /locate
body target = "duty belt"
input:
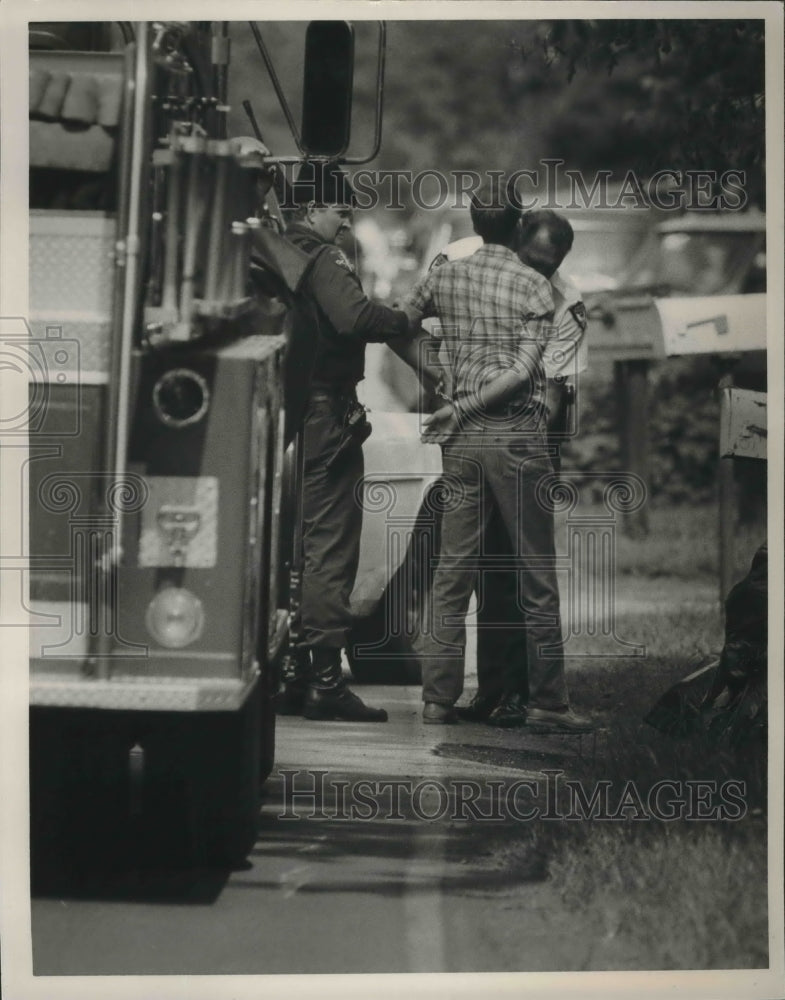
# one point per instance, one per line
(346, 390)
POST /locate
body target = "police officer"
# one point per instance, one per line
(333, 431)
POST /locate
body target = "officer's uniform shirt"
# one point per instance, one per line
(566, 352)
(348, 318)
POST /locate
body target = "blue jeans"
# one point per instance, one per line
(495, 470)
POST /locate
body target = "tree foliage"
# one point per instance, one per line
(610, 95)
(693, 90)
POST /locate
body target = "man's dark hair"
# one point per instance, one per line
(494, 215)
(558, 229)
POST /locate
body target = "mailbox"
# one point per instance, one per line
(743, 429)
(713, 324)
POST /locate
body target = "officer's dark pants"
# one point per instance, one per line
(492, 470)
(332, 522)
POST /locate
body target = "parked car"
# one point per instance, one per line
(702, 253)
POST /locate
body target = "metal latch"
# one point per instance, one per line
(178, 525)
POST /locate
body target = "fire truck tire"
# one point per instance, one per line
(227, 752)
(267, 721)
(119, 789)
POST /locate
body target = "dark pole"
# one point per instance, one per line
(632, 394)
(727, 502)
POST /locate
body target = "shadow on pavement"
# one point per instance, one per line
(396, 851)
(132, 884)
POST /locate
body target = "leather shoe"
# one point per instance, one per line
(558, 720)
(478, 709)
(340, 703)
(434, 714)
(510, 712)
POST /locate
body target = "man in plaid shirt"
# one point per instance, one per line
(495, 317)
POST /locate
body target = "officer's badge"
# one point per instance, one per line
(578, 310)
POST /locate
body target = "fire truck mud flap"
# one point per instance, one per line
(143, 789)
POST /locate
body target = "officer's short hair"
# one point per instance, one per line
(559, 230)
(494, 213)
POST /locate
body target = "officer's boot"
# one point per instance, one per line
(328, 695)
(295, 670)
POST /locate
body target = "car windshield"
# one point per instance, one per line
(600, 255)
(701, 263)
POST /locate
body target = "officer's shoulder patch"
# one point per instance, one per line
(342, 260)
(578, 310)
(438, 260)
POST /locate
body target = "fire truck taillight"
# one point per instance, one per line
(180, 397)
(175, 617)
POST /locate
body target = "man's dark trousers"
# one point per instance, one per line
(497, 469)
(502, 664)
(332, 520)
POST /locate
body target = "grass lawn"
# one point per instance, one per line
(678, 893)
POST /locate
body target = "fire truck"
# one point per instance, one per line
(164, 396)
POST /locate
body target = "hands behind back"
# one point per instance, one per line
(440, 426)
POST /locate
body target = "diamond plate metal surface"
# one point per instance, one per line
(90, 359)
(159, 694)
(72, 263)
(71, 292)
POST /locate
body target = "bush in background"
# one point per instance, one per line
(683, 421)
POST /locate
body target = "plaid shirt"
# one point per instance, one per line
(494, 314)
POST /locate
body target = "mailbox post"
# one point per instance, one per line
(626, 330)
(743, 434)
(726, 488)
(631, 380)
(726, 325)
(636, 330)
(632, 328)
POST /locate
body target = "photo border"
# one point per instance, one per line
(15, 933)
